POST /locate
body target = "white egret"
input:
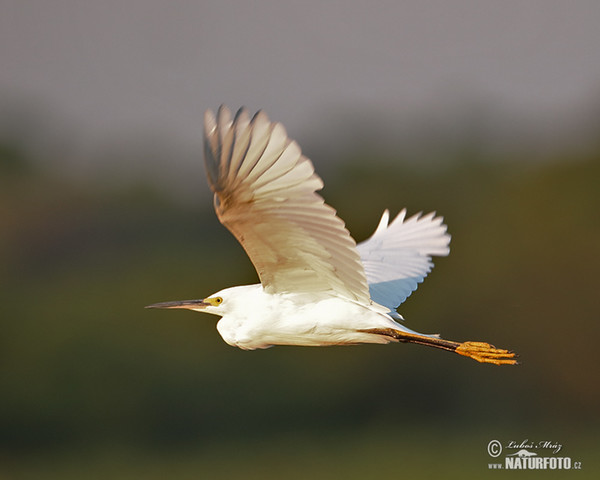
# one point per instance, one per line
(317, 286)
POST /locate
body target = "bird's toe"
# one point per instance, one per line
(486, 353)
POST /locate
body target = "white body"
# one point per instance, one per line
(254, 319)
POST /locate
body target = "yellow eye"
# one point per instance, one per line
(217, 301)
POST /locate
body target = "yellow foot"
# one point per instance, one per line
(486, 353)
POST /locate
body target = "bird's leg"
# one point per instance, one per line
(480, 351)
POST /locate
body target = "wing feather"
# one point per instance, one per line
(265, 194)
(397, 257)
(241, 144)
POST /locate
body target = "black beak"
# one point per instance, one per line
(187, 304)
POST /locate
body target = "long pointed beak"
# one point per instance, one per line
(187, 304)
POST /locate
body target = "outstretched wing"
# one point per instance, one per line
(265, 194)
(397, 257)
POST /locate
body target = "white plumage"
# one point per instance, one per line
(317, 287)
(397, 257)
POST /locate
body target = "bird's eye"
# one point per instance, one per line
(218, 300)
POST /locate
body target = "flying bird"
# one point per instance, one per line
(317, 286)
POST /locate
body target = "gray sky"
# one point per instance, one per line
(118, 69)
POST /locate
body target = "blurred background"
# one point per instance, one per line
(487, 112)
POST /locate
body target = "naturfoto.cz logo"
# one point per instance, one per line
(529, 455)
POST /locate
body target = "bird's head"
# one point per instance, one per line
(215, 304)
